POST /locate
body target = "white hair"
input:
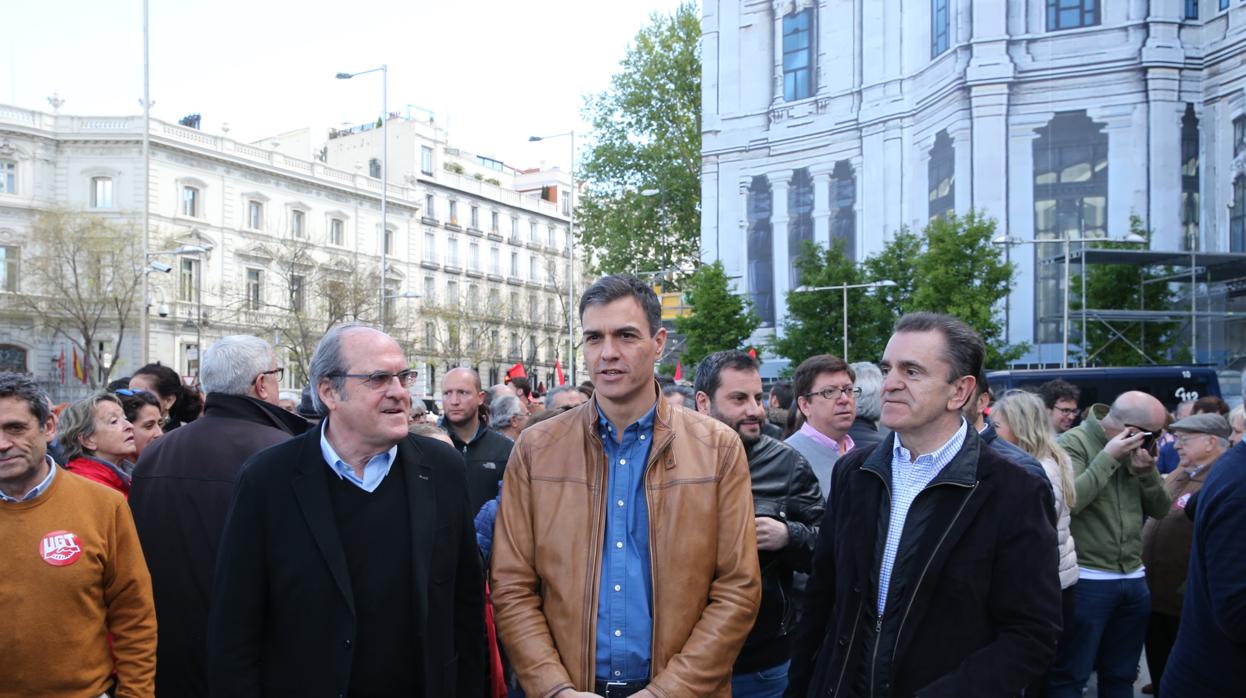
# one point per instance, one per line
(503, 408)
(231, 364)
(870, 381)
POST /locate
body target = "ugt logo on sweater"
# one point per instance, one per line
(60, 548)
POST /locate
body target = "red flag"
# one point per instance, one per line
(752, 352)
(60, 364)
(558, 372)
(80, 371)
(679, 370)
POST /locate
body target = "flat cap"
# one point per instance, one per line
(1213, 424)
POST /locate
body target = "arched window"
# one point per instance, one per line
(12, 359)
(941, 177)
(843, 202)
(800, 224)
(1070, 200)
(761, 250)
(1189, 178)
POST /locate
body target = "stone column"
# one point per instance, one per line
(871, 188)
(962, 143)
(1164, 188)
(987, 181)
(821, 174)
(778, 224)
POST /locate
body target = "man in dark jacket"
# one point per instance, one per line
(348, 565)
(182, 487)
(788, 505)
(485, 450)
(869, 380)
(1209, 658)
(935, 571)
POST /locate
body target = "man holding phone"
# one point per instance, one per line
(1113, 455)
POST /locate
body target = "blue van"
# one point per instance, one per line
(1171, 385)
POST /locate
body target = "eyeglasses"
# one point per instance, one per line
(379, 380)
(1185, 438)
(834, 393)
(280, 371)
(1067, 411)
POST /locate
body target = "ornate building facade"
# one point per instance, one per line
(849, 120)
(276, 239)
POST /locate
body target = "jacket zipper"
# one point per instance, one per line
(972, 488)
(878, 626)
(852, 637)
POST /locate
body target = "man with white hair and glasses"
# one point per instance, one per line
(349, 564)
(183, 484)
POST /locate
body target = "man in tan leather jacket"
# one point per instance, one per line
(625, 551)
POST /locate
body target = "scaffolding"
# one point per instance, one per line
(1190, 267)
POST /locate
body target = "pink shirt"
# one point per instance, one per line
(841, 447)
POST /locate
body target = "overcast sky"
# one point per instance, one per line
(495, 71)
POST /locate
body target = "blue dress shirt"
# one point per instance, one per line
(373, 472)
(909, 476)
(625, 599)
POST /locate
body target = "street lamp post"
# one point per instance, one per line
(384, 70)
(844, 288)
(570, 254)
(1066, 241)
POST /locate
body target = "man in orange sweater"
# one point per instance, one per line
(73, 572)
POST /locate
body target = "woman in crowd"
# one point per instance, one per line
(142, 410)
(1237, 420)
(98, 441)
(178, 404)
(1022, 419)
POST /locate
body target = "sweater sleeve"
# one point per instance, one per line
(1091, 471)
(131, 610)
(1155, 499)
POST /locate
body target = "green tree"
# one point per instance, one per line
(1125, 287)
(962, 274)
(897, 263)
(646, 138)
(720, 319)
(815, 319)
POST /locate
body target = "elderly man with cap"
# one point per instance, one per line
(1201, 440)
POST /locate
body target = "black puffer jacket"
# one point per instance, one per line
(486, 455)
(785, 488)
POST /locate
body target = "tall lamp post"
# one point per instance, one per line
(1008, 241)
(844, 288)
(384, 70)
(570, 254)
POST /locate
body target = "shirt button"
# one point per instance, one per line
(619, 544)
(642, 437)
(622, 461)
(618, 587)
(618, 633)
(620, 502)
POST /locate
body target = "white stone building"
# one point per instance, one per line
(294, 242)
(847, 120)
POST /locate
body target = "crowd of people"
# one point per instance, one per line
(889, 529)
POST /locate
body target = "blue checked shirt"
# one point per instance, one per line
(625, 599)
(38, 489)
(373, 472)
(908, 478)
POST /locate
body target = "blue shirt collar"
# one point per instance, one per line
(38, 489)
(374, 471)
(941, 455)
(644, 424)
